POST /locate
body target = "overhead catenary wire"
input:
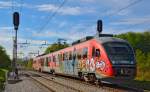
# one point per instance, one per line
(125, 7)
(52, 16)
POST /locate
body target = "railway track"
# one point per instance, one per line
(75, 85)
(52, 85)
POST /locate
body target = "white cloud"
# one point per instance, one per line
(75, 32)
(133, 21)
(6, 28)
(46, 7)
(64, 10)
(115, 31)
(62, 24)
(88, 1)
(6, 41)
(14, 4)
(117, 7)
(5, 4)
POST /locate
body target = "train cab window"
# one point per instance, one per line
(85, 52)
(97, 53)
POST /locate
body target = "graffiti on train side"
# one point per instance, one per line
(91, 65)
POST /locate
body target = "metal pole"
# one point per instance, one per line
(14, 65)
(16, 53)
(13, 62)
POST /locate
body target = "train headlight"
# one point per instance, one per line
(132, 62)
(113, 62)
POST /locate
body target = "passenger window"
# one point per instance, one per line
(93, 51)
(85, 52)
(59, 57)
(70, 55)
(66, 55)
(54, 59)
(42, 62)
(46, 61)
(79, 54)
(63, 56)
(49, 59)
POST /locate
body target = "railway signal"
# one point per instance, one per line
(99, 26)
(16, 20)
(16, 25)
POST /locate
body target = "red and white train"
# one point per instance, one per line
(103, 56)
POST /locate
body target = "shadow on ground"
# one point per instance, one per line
(14, 81)
(138, 84)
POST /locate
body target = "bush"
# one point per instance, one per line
(143, 66)
(2, 79)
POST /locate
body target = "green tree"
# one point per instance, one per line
(5, 61)
(55, 47)
(139, 41)
(29, 64)
(140, 58)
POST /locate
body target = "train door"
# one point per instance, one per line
(96, 55)
(74, 62)
(84, 60)
(44, 65)
(61, 65)
(65, 62)
(70, 70)
(57, 62)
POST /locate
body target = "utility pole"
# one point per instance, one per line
(16, 24)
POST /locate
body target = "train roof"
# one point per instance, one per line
(103, 38)
(109, 39)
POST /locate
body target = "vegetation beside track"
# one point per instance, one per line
(5, 63)
(55, 47)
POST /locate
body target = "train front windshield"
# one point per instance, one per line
(119, 53)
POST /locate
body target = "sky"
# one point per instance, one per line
(47, 20)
